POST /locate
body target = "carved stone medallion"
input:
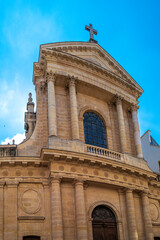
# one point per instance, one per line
(95, 172)
(61, 168)
(18, 173)
(73, 169)
(85, 171)
(154, 211)
(31, 201)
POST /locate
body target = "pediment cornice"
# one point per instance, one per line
(48, 54)
(75, 47)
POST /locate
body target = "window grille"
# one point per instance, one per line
(94, 130)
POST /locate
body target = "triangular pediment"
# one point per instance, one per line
(95, 54)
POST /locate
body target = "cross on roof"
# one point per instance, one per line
(91, 31)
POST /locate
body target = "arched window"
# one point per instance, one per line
(94, 130)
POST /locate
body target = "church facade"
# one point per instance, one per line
(80, 173)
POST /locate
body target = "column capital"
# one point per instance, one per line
(45, 183)
(55, 179)
(72, 80)
(111, 104)
(118, 99)
(2, 183)
(122, 190)
(43, 85)
(79, 181)
(51, 76)
(12, 183)
(129, 190)
(133, 107)
(144, 193)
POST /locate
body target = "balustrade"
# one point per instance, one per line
(102, 151)
(8, 151)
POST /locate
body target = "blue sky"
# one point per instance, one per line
(128, 30)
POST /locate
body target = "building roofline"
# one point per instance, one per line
(145, 133)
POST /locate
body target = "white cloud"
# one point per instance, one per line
(12, 99)
(18, 138)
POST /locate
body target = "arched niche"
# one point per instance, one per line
(113, 210)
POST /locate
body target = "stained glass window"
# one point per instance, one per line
(94, 130)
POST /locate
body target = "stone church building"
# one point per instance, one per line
(80, 173)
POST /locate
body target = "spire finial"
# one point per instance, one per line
(30, 104)
(30, 98)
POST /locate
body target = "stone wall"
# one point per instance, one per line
(105, 108)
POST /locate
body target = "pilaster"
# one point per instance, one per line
(52, 118)
(11, 208)
(147, 216)
(81, 221)
(137, 138)
(124, 230)
(56, 209)
(47, 205)
(121, 124)
(132, 228)
(2, 210)
(73, 109)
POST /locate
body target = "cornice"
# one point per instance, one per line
(90, 47)
(60, 155)
(22, 161)
(95, 50)
(39, 69)
(48, 55)
(98, 179)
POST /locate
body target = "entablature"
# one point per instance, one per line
(84, 79)
(83, 49)
(85, 71)
(124, 164)
(22, 161)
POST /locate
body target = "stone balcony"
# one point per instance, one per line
(8, 150)
(76, 146)
(102, 152)
(116, 156)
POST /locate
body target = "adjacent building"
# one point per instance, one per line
(80, 173)
(151, 151)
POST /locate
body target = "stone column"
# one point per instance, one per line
(121, 123)
(137, 138)
(123, 231)
(147, 217)
(56, 210)
(52, 118)
(47, 212)
(132, 228)
(11, 207)
(81, 222)
(1, 210)
(73, 109)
